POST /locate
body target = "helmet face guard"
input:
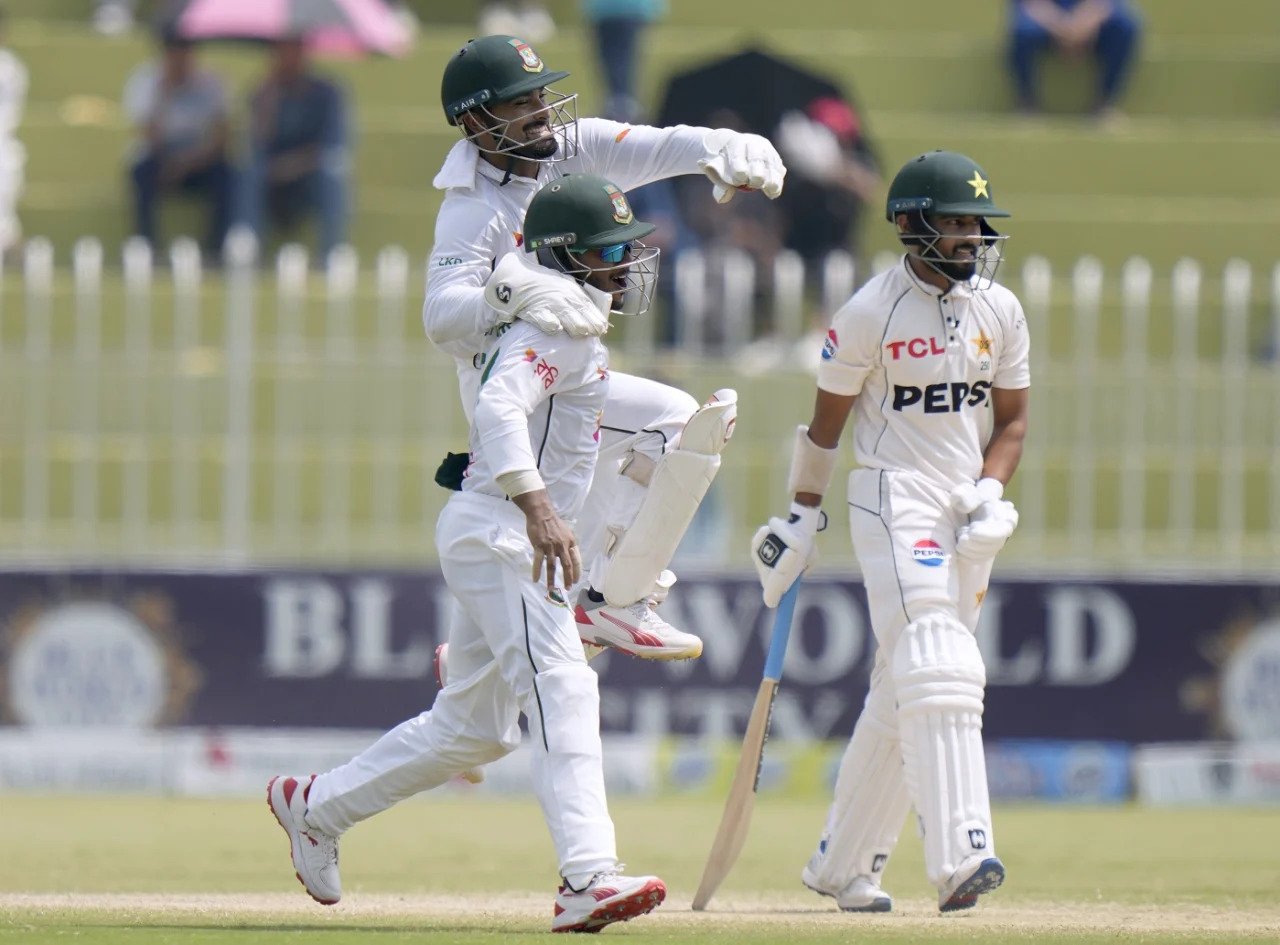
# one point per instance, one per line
(924, 237)
(638, 261)
(560, 114)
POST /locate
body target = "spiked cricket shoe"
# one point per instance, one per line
(635, 629)
(974, 878)
(609, 897)
(862, 894)
(314, 852)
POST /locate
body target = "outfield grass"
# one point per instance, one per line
(464, 869)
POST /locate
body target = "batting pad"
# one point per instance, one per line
(871, 799)
(939, 676)
(674, 487)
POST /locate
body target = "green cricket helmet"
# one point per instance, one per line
(946, 184)
(496, 69)
(580, 212)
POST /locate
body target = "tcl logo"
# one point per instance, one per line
(916, 348)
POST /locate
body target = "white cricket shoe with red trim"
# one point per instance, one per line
(314, 852)
(635, 629)
(609, 897)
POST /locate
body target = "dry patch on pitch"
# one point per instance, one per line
(794, 911)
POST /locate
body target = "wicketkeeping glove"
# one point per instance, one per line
(743, 162)
(550, 300)
(992, 519)
(785, 548)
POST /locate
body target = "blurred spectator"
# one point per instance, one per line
(299, 152)
(13, 156)
(831, 174)
(616, 26)
(526, 19)
(113, 17)
(1107, 28)
(180, 113)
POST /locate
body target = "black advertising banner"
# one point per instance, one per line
(1071, 659)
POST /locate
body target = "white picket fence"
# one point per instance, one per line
(161, 413)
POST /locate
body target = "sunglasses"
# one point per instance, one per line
(610, 254)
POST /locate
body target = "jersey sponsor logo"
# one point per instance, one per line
(831, 345)
(442, 261)
(929, 553)
(548, 372)
(528, 58)
(941, 398)
(916, 348)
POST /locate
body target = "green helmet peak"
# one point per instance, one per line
(942, 183)
(491, 70)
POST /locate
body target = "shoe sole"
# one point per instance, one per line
(294, 844)
(641, 902)
(879, 904)
(988, 876)
(657, 654)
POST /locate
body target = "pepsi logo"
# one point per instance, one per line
(928, 552)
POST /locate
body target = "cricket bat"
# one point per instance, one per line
(732, 834)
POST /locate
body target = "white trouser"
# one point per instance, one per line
(512, 650)
(896, 520)
(640, 415)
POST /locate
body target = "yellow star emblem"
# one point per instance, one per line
(979, 185)
(983, 343)
(981, 594)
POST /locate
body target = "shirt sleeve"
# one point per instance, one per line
(851, 350)
(526, 368)
(634, 155)
(460, 263)
(1013, 367)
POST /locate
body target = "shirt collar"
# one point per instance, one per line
(463, 164)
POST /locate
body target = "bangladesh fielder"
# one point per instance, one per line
(517, 134)
(931, 359)
(509, 553)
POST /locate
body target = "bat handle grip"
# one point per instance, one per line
(781, 632)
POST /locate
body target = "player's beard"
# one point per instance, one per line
(963, 269)
(539, 148)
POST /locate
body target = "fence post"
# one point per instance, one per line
(38, 276)
(1136, 286)
(86, 267)
(393, 286)
(341, 276)
(1086, 287)
(788, 297)
(241, 255)
(1274, 503)
(837, 281)
(1037, 289)
(1237, 288)
(291, 385)
(1186, 365)
(691, 303)
(184, 258)
(738, 279)
(136, 260)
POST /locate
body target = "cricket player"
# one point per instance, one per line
(516, 135)
(508, 552)
(931, 358)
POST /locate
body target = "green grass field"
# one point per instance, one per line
(148, 870)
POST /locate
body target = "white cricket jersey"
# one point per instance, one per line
(482, 219)
(922, 363)
(539, 406)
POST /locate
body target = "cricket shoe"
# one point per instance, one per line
(862, 894)
(635, 629)
(474, 775)
(314, 852)
(974, 878)
(609, 897)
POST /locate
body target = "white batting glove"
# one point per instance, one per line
(784, 549)
(742, 162)
(992, 519)
(552, 301)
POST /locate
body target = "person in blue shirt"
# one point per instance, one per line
(299, 150)
(1107, 28)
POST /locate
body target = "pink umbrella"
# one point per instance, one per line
(337, 27)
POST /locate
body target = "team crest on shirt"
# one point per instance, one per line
(621, 209)
(528, 58)
(831, 345)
